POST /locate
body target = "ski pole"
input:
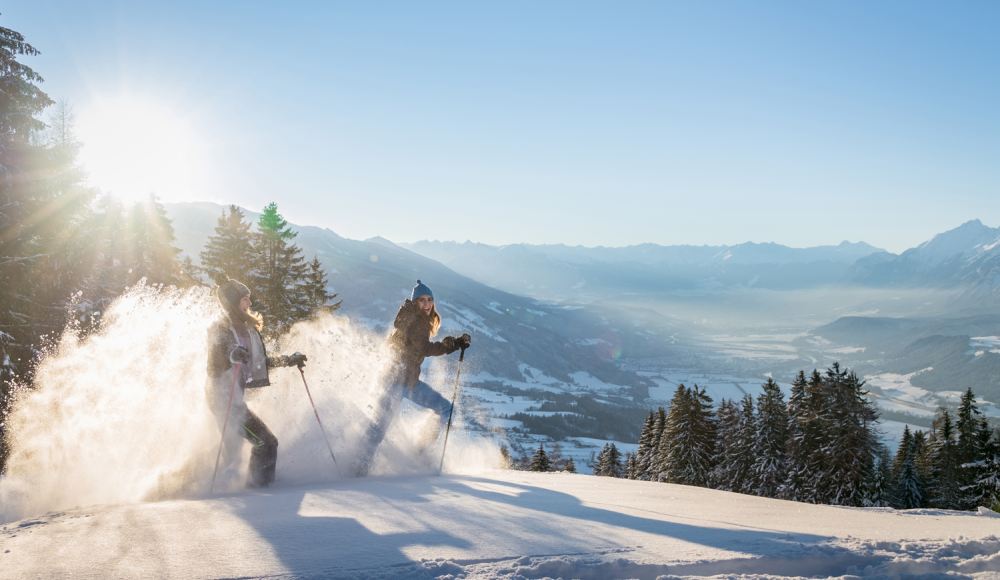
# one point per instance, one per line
(452, 410)
(224, 424)
(315, 412)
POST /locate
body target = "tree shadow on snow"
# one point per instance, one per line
(334, 547)
(748, 539)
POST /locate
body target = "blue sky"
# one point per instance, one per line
(558, 122)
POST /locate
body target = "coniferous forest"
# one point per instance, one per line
(821, 446)
(67, 250)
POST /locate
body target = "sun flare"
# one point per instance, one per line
(132, 147)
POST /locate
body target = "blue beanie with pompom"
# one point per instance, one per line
(420, 290)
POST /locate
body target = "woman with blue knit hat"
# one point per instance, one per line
(417, 322)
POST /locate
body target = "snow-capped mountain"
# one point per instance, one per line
(560, 271)
(966, 258)
(373, 277)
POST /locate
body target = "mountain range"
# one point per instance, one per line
(373, 277)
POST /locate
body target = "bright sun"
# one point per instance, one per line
(132, 147)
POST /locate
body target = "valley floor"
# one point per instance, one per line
(509, 525)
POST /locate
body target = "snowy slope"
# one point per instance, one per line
(509, 525)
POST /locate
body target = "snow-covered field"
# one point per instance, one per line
(504, 525)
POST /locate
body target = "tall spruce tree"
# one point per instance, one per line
(878, 488)
(945, 464)
(974, 436)
(317, 296)
(908, 483)
(769, 468)
(43, 204)
(985, 490)
(803, 436)
(230, 253)
(745, 448)
(649, 464)
(281, 269)
(688, 442)
(849, 421)
(643, 452)
(728, 419)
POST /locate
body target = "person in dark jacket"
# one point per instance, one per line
(417, 322)
(235, 339)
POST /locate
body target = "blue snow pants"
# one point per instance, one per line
(385, 412)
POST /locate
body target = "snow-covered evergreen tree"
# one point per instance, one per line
(687, 446)
(878, 487)
(631, 465)
(644, 452)
(540, 460)
(771, 439)
(974, 435)
(649, 462)
(985, 490)
(849, 421)
(801, 439)
(744, 456)
(569, 466)
(944, 487)
(727, 417)
(909, 484)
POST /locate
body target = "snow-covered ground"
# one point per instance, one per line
(502, 525)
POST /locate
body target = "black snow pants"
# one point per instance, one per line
(264, 455)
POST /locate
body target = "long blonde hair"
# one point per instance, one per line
(433, 320)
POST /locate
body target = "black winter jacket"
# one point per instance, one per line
(411, 341)
(221, 343)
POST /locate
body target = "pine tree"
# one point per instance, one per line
(687, 445)
(769, 469)
(570, 466)
(849, 423)
(149, 245)
(613, 466)
(540, 461)
(945, 464)
(974, 435)
(645, 447)
(725, 452)
(230, 252)
(878, 487)
(43, 205)
(744, 449)
(317, 296)
(800, 445)
(985, 490)
(649, 461)
(281, 267)
(600, 467)
(908, 484)
(631, 465)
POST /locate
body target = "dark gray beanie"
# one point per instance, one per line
(230, 294)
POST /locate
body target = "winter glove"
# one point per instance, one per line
(464, 341)
(239, 356)
(450, 343)
(295, 359)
